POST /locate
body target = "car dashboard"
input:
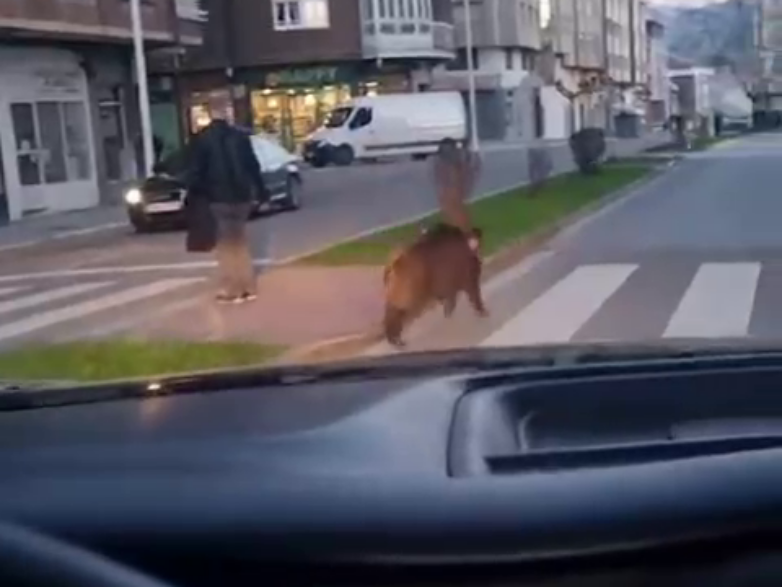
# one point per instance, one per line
(581, 473)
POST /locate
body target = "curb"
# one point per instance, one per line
(345, 346)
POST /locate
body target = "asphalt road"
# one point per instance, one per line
(694, 254)
(338, 204)
(72, 291)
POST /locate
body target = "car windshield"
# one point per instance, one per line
(626, 192)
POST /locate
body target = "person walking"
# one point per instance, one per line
(224, 170)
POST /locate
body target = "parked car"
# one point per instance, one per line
(159, 199)
(386, 126)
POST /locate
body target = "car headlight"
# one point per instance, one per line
(133, 196)
(292, 168)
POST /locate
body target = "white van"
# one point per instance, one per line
(387, 125)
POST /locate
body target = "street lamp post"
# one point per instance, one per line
(143, 88)
(475, 146)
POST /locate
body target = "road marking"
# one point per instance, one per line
(107, 302)
(717, 303)
(45, 297)
(557, 314)
(491, 287)
(120, 270)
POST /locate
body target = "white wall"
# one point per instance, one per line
(31, 75)
(556, 113)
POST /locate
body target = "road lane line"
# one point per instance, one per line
(718, 302)
(61, 293)
(107, 302)
(559, 313)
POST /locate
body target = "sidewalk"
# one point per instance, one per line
(41, 228)
(297, 306)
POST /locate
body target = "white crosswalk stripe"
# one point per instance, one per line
(558, 314)
(719, 301)
(72, 307)
(39, 299)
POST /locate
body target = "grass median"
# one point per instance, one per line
(106, 360)
(505, 218)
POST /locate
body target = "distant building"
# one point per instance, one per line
(506, 43)
(695, 97)
(659, 105)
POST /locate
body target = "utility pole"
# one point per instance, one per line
(143, 88)
(474, 144)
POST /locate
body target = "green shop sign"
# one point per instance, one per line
(311, 76)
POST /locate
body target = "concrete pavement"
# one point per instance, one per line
(696, 253)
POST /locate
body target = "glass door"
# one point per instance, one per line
(29, 157)
(52, 148)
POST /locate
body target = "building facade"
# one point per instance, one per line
(575, 32)
(279, 66)
(659, 104)
(506, 41)
(67, 98)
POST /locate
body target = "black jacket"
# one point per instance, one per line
(222, 166)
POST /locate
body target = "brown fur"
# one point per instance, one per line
(435, 268)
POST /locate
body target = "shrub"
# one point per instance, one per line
(588, 146)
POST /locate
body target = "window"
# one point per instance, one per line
(300, 14)
(52, 143)
(508, 58)
(362, 118)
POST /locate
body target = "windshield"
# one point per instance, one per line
(337, 117)
(633, 205)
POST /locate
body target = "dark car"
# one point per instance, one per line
(159, 200)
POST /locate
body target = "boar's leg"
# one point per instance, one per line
(393, 324)
(449, 305)
(473, 292)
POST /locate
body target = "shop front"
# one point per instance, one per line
(46, 140)
(291, 103)
(288, 103)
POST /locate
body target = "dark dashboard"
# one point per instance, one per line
(451, 468)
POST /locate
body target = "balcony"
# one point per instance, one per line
(400, 38)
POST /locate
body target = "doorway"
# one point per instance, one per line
(113, 137)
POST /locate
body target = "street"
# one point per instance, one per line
(697, 252)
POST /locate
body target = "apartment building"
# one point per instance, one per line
(768, 90)
(506, 42)
(659, 105)
(574, 30)
(279, 66)
(68, 107)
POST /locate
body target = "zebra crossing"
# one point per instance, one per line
(637, 301)
(33, 309)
